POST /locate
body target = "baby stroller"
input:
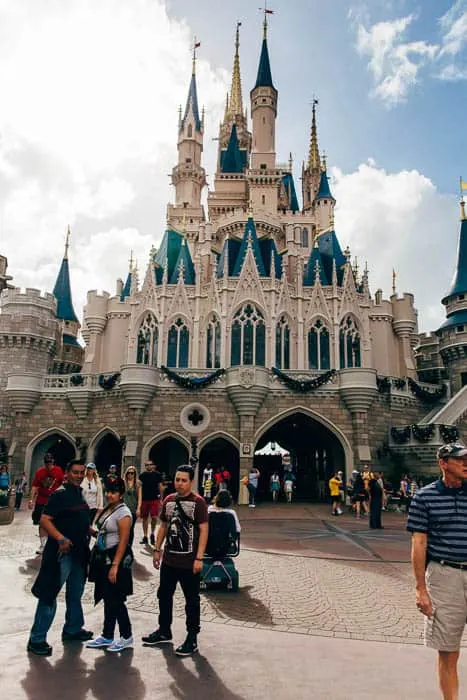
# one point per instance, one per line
(223, 545)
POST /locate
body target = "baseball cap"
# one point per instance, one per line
(112, 467)
(91, 465)
(452, 449)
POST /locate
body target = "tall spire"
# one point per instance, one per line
(314, 162)
(264, 77)
(192, 99)
(62, 288)
(459, 282)
(236, 102)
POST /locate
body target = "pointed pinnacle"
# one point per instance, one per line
(67, 242)
(236, 102)
(313, 156)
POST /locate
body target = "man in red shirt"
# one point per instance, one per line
(46, 480)
(184, 527)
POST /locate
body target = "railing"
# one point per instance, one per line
(454, 410)
(65, 382)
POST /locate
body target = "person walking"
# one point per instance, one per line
(65, 519)
(110, 569)
(335, 483)
(47, 479)
(148, 507)
(438, 523)
(289, 483)
(4, 477)
(92, 491)
(20, 488)
(252, 486)
(184, 529)
(376, 501)
(132, 497)
(360, 496)
(275, 486)
(207, 482)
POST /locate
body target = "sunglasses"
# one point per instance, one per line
(131, 472)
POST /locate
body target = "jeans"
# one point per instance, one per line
(251, 494)
(72, 572)
(189, 582)
(375, 513)
(18, 499)
(115, 611)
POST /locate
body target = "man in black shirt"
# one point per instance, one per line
(150, 495)
(66, 520)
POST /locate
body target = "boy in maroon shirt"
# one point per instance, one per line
(46, 480)
(184, 527)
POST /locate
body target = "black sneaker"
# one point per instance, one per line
(39, 648)
(81, 636)
(189, 647)
(152, 539)
(144, 540)
(156, 638)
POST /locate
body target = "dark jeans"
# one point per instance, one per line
(375, 513)
(18, 499)
(189, 582)
(251, 494)
(115, 611)
(132, 531)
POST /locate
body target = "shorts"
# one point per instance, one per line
(360, 498)
(446, 587)
(150, 508)
(335, 499)
(37, 512)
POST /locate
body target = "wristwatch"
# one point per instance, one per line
(62, 540)
(156, 549)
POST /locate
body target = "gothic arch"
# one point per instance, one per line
(98, 437)
(161, 436)
(219, 434)
(314, 415)
(39, 438)
(310, 322)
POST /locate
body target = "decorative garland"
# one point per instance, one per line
(76, 379)
(108, 382)
(426, 395)
(400, 435)
(301, 385)
(192, 383)
(383, 384)
(423, 433)
(449, 433)
(399, 382)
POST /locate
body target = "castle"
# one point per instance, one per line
(251, 327)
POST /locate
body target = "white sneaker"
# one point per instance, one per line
(121, 644)
(99, 642)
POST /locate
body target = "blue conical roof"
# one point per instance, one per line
(264, 77)
(268, 249)
(289, 185)
(126, 291)
(192, 101)
(184, 258)
(249, 235)
(231, 249)
(167, 254)
(62, 293)
(330, 250)
(324, 191)
(459, 280)
(309, 274)
(233, 160)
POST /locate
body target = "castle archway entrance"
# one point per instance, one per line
(108, 451)
(220, 452)
(168, 454)
(58, 445)
(315, 450)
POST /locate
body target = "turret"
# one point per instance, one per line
(324, 202)
(264, 112)
(188, 176)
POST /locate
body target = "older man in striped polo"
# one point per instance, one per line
(438, 523)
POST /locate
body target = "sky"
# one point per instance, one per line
(89, 102)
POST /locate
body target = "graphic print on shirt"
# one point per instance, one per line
(180, 530)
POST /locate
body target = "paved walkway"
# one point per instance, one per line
(320, 598)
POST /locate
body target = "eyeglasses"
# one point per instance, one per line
(131, 472)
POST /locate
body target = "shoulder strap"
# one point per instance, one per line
(183, 515)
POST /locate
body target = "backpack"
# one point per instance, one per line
(222, 534)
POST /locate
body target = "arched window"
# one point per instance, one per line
(178, 344)
(189, 131)
(148, 341)
(213, 343)
(349, 344)
(304, 238)
(318, 347)
(283, 344)
(248, 346)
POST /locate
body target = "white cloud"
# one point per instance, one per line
(399, 220)
(394, 63)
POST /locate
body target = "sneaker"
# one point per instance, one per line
(156, 638)
(144, 540)
(81, 636)
(99, 642)
(152, 539)
(339, 512)
(39, 648)
(121, 644)
(189, 647)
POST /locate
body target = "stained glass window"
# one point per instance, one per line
(248, 339)
(178, 346)
(148, 341)
(318, 347)
(349, 344)
(283, 344)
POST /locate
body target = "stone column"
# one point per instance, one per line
(138, 384)
(358, 390)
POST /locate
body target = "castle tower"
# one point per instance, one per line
(453, 333)
(311, 172)
(69, 357)
(188, 176)
(324, 202)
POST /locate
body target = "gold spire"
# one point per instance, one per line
(67, 242)
(227, 111)
(236, 103)
(131, 261)
(463, 217)
(393, 281)
(313, 157)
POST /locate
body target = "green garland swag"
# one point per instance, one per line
(301, 385)
(400, 435)
(426, 395)
(449, 433)
(192, 383)
(108, 383)
(423, 433)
